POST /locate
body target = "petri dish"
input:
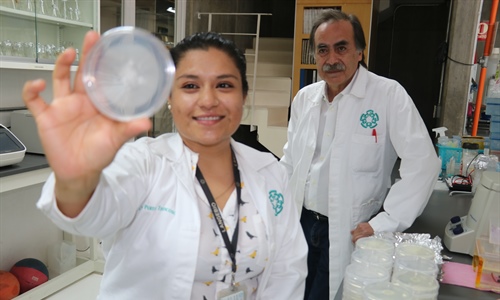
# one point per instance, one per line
(415, 252)
(422, 286)
(375, 244)
(128, 74)
(372, 258)
(386, 291)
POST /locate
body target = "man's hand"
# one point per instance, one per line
(362, 230)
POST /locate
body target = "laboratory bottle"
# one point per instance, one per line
(469, 153)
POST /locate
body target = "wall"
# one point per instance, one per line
(462, 46)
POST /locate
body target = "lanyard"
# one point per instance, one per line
(230, 245)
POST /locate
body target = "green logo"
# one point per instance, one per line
(369, 119)
(276, 201)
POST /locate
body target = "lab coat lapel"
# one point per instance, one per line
(187, 239)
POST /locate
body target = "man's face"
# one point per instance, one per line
(336, 55)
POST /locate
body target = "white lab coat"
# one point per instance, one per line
(145, 208)
(361, 163)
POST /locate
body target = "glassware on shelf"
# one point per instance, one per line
(27, 5)
(40, 49)
(40, 8)
(54, 5)
(17, 49)
(29, 49)
(65, 9)
(77, 11)
(6, 46)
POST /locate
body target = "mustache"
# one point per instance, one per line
(333, 67)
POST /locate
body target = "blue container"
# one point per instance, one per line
(495, 144)
(494, 126)
(493, 109)
(446, 153)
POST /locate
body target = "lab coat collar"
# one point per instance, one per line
(357, 87)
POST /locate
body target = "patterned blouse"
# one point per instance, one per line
(213, 269)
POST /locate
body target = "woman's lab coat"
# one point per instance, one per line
(145, 210)
(376, 122)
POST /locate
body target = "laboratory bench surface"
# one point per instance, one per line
(440, 209)
(433, 220)
(30, 162)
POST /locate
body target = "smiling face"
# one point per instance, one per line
(207, 98)
(336, 55)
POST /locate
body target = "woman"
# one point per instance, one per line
(167, 209)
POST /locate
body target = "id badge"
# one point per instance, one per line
(235, 293)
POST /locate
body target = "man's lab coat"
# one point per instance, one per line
(376, 122)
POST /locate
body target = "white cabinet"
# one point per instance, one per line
(26, 232)
(34, 32)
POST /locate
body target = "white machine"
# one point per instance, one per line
(482, 220)
(12, 150)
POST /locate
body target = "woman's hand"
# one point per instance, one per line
(79, 141)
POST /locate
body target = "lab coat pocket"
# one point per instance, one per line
(262, 254)
(366, 152)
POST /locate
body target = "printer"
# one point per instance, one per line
(23, 125)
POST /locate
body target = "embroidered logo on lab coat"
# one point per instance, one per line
(277, 201)
(369, 119)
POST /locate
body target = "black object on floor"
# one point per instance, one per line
(250, 138)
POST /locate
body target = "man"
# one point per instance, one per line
(344, 137)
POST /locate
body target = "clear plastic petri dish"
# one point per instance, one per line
(128, 74)
(372, 243)
(386, 291)
(423, 287)
(372, 258)
(414, 251)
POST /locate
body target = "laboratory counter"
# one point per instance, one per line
(30, 162)
(440, 209)
(433, 220)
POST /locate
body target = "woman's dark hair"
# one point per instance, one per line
(335, 15)
(206, 40)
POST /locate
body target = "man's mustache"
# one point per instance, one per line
(333, 67)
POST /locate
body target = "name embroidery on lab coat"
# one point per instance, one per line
(369, 119)
(276, 201)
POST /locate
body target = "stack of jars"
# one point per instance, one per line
(371, 262)
(381, 271)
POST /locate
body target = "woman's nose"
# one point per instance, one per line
(208, 97)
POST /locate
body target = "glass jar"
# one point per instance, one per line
(469, 153)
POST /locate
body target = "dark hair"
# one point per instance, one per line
(335, 15)
(206, 40)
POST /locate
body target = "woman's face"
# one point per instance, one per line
(207, 98)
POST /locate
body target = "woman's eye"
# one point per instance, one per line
(225, 85)
(189, 86)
